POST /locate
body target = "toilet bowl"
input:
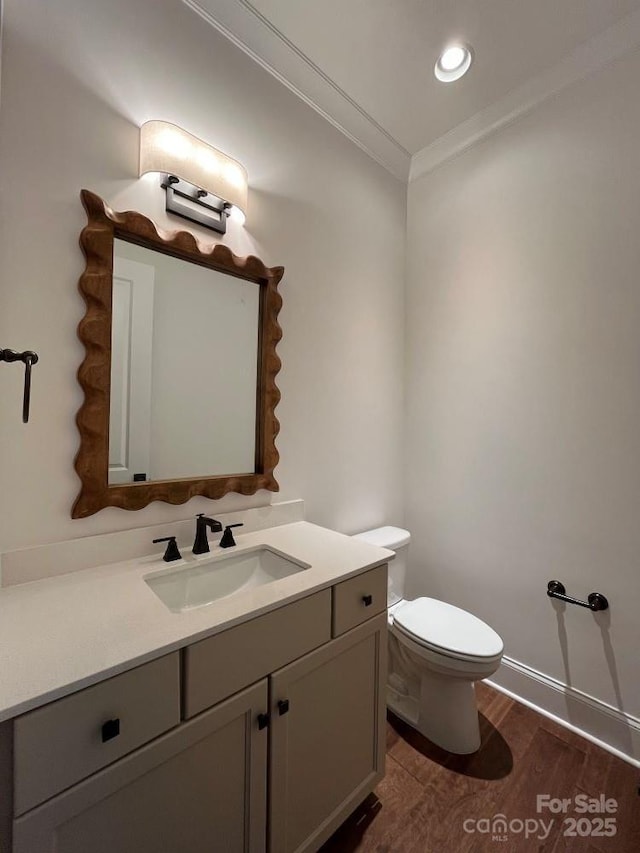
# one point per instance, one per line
(436, 654)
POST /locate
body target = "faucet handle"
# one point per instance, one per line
(227, 540)
(172, 552)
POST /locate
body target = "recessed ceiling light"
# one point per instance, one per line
(453, 62)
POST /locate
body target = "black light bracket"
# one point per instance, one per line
(198, 205)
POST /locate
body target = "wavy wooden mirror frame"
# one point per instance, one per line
(94, 374)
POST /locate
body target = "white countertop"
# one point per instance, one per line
(61, 634)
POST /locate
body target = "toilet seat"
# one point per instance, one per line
(447, 630)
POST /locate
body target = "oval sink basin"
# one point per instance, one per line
(185, 587)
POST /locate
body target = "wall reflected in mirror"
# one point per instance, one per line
(184, 369)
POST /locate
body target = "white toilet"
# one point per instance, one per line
(436, 653)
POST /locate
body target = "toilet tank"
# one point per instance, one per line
(395, 539)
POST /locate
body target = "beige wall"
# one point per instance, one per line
(523, 382)
(78, 80)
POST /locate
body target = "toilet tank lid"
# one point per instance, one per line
(386, 537)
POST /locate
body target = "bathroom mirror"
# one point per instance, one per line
(180, 366)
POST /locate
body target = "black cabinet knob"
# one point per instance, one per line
(110, 729)
(367, 600)
(283, 706)
(263, 721)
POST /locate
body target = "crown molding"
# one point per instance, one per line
(585, 60)
(249, 30)
(253, 33)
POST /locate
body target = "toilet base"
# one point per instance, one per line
(441, 707)
(445, 713)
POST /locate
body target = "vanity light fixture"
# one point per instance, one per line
(454, 61)
(201, 183)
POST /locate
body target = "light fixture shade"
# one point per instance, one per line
(166, 148)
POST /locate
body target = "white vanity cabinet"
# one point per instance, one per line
(327, 743)
(199, 789)
(264, 736)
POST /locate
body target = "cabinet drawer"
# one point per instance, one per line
(358, 599)
(221, 665)
(61, 743)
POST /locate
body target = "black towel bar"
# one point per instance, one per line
(595, 600)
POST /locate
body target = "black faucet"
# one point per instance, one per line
(201, 544)
(227, 540)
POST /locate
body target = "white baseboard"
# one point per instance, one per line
(602, 724)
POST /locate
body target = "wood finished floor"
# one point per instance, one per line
(427, 794)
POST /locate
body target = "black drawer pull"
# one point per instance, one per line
(263, 721)
(367, 600)
(110, 729)
(283, 706)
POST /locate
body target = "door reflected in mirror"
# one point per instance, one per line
(184, 369)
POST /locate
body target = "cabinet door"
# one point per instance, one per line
(327, 736)
(199, 789)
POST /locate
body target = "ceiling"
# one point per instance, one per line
(367, 65)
